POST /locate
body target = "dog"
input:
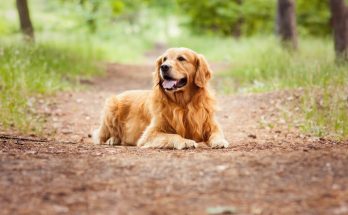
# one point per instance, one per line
(178, 113)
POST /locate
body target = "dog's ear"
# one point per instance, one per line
(156, 73)
(203, 73)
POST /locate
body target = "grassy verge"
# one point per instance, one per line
(29, 70)
(259, 64)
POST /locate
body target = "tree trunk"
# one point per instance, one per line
(286, 23)
(24, 19)
(339, 16)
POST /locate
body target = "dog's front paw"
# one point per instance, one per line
(218, 143)
(168, 142)
(185, 144)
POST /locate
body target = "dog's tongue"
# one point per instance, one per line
(168, 84)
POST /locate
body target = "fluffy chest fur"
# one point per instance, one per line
(188, 119)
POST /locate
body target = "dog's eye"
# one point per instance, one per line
(180, 58)
(164, 59)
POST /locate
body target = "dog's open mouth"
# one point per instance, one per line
(169, 83)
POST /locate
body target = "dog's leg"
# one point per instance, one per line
(217, 139)
(155, 139)
(108, 132)
(101, 135)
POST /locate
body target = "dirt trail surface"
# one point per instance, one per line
(265, 171)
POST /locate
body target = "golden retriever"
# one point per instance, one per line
(178, 113)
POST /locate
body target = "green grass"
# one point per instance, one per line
(30, 70)
(260, 64)
(325, 112)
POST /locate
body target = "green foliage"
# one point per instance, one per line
(313, 17)
(123, 37)
(253, 17)
(118, 38)
(4, 27)
(126, 7)
(97, 11)
(229, 17)
(29, 70)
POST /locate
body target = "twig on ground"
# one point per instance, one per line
(10, 137)
(41, 140)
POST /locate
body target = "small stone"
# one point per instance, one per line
(66, 131)
(221, 168)
(221, 210)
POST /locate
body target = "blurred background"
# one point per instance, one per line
(262, 45)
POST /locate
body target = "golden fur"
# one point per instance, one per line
(161, 118)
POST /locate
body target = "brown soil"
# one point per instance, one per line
(265, 171)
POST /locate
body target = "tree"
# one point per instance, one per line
(234, 17)
(286, 23)
(24, 19)
(339, 17)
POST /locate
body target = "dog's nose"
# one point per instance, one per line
(165, 67)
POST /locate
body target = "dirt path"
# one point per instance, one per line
(266, 171)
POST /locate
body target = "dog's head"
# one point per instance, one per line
(179, 69)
